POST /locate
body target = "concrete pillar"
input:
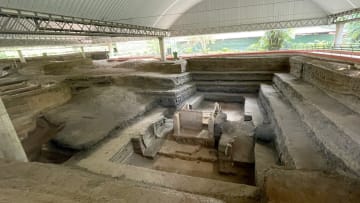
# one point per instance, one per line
(162, 48)
(21, 56)
(10, 145)
(339, 34)
(82, 51)
(111, 49)
(177, 127)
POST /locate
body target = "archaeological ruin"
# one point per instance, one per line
(235, 128)
(278, 126)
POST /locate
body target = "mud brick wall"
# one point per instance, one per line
(162, 67)
(250, 63)
(61, 67)
(38, 100)
(337, 77)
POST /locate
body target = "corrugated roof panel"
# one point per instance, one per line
(188, 14)
(248, 12)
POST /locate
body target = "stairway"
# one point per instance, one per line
(293, 141)
(336, 127)
(232, 86)
(314, 130)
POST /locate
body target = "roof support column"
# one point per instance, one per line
(21, 56)
(162, 48)
(111, 49)
(82, 51)
(10, 145)
(339, 34)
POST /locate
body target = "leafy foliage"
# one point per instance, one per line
(203, 42)
(353, 32)
(273, 40)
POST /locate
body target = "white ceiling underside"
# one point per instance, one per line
(192, 16)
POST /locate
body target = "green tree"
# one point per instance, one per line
(203, 42)
(273, 40)
(353, 32)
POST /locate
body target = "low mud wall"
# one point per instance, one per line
(147, 81)
(24, 108)
(162, 67)
(101, 55)
(61, 67)
(38, 100)
(249, 63)
(334, 76)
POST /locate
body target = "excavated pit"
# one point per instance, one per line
(236, 129)
(194, 159)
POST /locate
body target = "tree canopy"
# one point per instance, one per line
(353, 32)
(273, 40)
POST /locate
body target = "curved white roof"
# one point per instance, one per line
(190, 15)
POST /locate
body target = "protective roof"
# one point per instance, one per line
(189, 15)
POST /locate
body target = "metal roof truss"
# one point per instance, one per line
(13, 21)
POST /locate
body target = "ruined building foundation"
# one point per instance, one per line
(241, 128)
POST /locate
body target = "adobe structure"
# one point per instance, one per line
(274, 127)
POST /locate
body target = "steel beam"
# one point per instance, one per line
(22, 40)
(14, 21)
(346, 16)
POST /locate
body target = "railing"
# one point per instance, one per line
(311, 46)
(341, 47)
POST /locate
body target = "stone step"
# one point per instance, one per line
(351, 101)
(225, 97)
(293, 140)
(11, 81)
(173, 97)
(173, 149)
(194, 101)
(336, 127)
(12, 86)
(171, 92)
(20, 90)
(150, 80)
(228, 86)
(233, 76)
(252, 110)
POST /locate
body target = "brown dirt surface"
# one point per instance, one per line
(40, 183)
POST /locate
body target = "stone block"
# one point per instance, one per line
(265, 132)
(191, 119)
(243, 149)
(247, 116)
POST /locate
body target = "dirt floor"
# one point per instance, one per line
(43, 183)
(194, 168)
